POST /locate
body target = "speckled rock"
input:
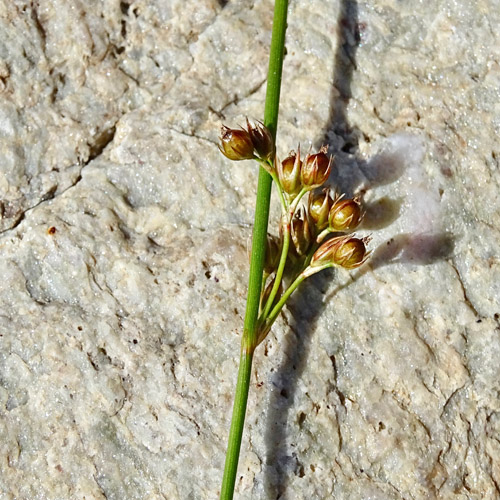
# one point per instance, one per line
(123, 252)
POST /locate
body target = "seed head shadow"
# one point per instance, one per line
(308, 303)
(352, 176)
(306, 307)
(420, 249)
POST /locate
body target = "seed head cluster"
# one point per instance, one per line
(316, 224)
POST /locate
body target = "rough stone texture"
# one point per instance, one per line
(123, 253)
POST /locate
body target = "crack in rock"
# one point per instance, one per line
(96, 149)
(464, 291)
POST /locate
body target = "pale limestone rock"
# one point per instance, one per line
(124, 252)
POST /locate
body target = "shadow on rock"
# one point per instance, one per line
(308, 302)
(420, 249)
(381, 213)
(353, 175)
(337, 132)
(281, 461)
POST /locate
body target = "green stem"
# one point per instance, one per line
(237, 422)
(280, 270)
(277, 308)
(287, 223)
(298, 280)
(310, 254)
(268, 322)
(284, 205)
(295, 202)
(250, 334)
(259, 244)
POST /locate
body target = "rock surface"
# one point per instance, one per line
(124, 264)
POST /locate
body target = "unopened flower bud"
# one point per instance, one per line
(345, 215)
(302, 235)
(343, 251)
(316, 169)
(262, 140)
(236, 144)
(319, 208)
(273, 253)
(289, 173)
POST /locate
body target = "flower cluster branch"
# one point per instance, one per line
(315, 226)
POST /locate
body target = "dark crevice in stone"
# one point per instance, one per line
(39, 27)
(100, 143)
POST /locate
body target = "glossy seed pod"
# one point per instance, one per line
(319, 206)
(236, 144)
(302, 234)
(343, 251)
(345, 215)
(316, 169)
(262, 140)
(289, 173)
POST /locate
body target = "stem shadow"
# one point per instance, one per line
(355, 176)
(306, 306)
(308, 302)
(337, 131)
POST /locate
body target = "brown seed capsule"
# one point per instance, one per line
(343, 251)
(316, 169)
(289, 173)
(236, 144)
(319, 207)
(345, 215)
(302, 235)
(262, 140)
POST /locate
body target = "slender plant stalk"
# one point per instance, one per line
(298, 280)
(280, 193)
(250, 334)
(277, 308)
(280, 270)
(287, 216)
(271, 317)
